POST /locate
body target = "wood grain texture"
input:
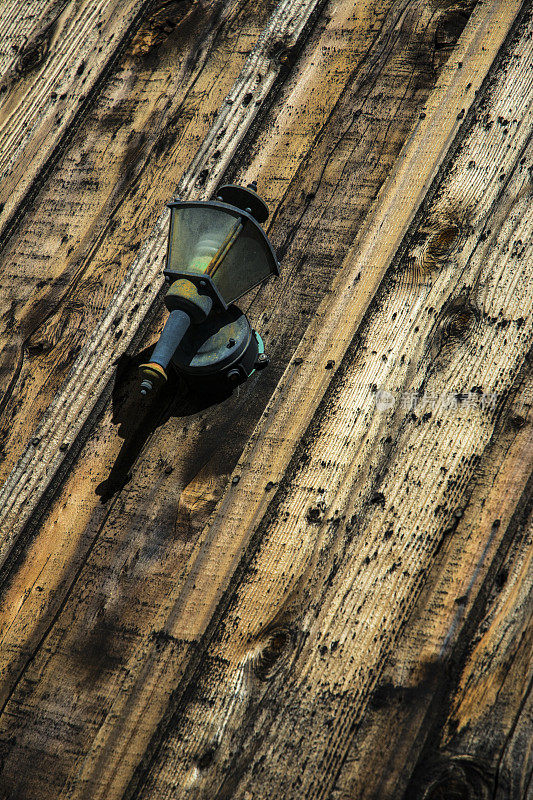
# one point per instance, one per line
(129, 560)
(18, 24)
(336, 320)
(275, 640)
(133, 299)
(345, 549)
(81, 234)
(479, 567)
(48, 85)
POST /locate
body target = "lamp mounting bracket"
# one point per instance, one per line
(203, 283)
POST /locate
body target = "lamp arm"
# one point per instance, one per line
(176, 327)
(154, 372)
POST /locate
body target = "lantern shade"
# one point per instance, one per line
(222, 243)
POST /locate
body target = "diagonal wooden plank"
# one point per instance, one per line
(77, 239)
(50, 86)
(64, 418)
(422, 683)
(317, 609)
(483, 743)
(384, 90)
(479, 739)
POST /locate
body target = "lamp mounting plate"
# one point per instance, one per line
(222, 350)
(244, 198)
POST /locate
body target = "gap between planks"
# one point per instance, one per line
(196, 613)
(396, 206)
(94, 366)
(344, 453)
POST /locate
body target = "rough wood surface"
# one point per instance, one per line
(77, 241)
(56, 557)
(132, 300)
(277, 643)
(17, 25)
(46, 88)
(480, 572)
(346, 547)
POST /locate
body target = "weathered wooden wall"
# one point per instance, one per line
(335, 599)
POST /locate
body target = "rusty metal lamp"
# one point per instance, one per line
(217, 251)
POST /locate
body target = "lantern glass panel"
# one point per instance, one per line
(197, 236)
(230, 249)
(247, 263)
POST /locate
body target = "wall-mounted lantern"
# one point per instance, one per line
(217, 251)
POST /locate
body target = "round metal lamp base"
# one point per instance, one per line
(223, 350)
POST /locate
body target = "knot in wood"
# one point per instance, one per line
(458, 778)
(458, 321)
(33, 53)
(315, 513)
(163, 20)
(449, 29)
(206, 758)
(282, 54)
(434, 253)
(274, 652)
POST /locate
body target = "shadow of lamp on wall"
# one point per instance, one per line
(217, 251)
